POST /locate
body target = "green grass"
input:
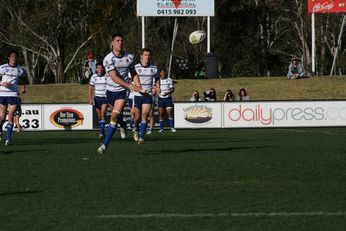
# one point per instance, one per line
(271, 88)
(54, 180)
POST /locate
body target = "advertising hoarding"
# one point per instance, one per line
(175, 8)
(197, 115)
(68, 117)
(326, 6)
(260, 114)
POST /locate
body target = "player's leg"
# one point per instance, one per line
(145, 113)
(9, 127)
(117, 101)
(3, 111)
(171, 118)
(103, 112)
(151, 120)
(170, 114)
(132, 112)
(162, 112)
(137, 106)
(116, 112)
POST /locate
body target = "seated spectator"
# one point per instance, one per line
(195, 96)
(209, 95)
(242, 96)
(229, 96)
(295, 69)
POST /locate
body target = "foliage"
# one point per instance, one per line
(251, 37)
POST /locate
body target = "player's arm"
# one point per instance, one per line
(23, 81)
(117, 79)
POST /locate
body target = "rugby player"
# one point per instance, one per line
(97, 88)
(12, 75)
(165, 101)
(118, 64)
(142, 102)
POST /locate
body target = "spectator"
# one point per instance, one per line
(195, 96)
(229, 96)
(89, 68)
(295, 69)
(209, 95)
(242, 96)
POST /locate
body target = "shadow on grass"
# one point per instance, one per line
(7, 152)
(26, 192)
(48, 141)
(210, 151)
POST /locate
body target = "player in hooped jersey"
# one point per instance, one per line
(118, 64)
(97, 87)
(142, 102)
(11, 76)
(165, 101)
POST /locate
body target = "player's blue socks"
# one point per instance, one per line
(102, 127)
(131, 122)
(143, 129)
(110, 131)
(9, 128)
(162, 124)
(171, 122)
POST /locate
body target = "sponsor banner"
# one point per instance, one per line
(198, 115)
(174, 8)
(326, 6)
(285, 114)
(68, 117)
(30, 119)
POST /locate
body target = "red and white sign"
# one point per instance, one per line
(326, 6)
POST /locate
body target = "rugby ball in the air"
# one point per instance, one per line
(197, 36)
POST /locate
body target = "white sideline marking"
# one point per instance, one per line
(201, 215)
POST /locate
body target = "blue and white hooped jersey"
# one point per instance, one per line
(166, 84)
(122, 65)
(100, 84)
(11, 74)
(147, 76)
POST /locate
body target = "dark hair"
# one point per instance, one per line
(242, 89)
(13, 51)
(99, 64)
(145, 49)
(117, 35)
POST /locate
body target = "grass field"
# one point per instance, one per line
(241, 179)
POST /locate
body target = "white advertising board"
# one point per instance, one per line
(30, 119)
(285, 114)
(197, 115)
(175, 8)
(68, 117)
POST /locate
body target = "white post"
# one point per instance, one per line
(208, 34)
(313, 52)
(143, 32)
(175, 31)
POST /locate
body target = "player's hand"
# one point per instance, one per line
(5, 84)
(158, 90)
(135, 88)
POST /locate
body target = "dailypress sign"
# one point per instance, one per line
(285, 114)
(326, 6)
(260, 114)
